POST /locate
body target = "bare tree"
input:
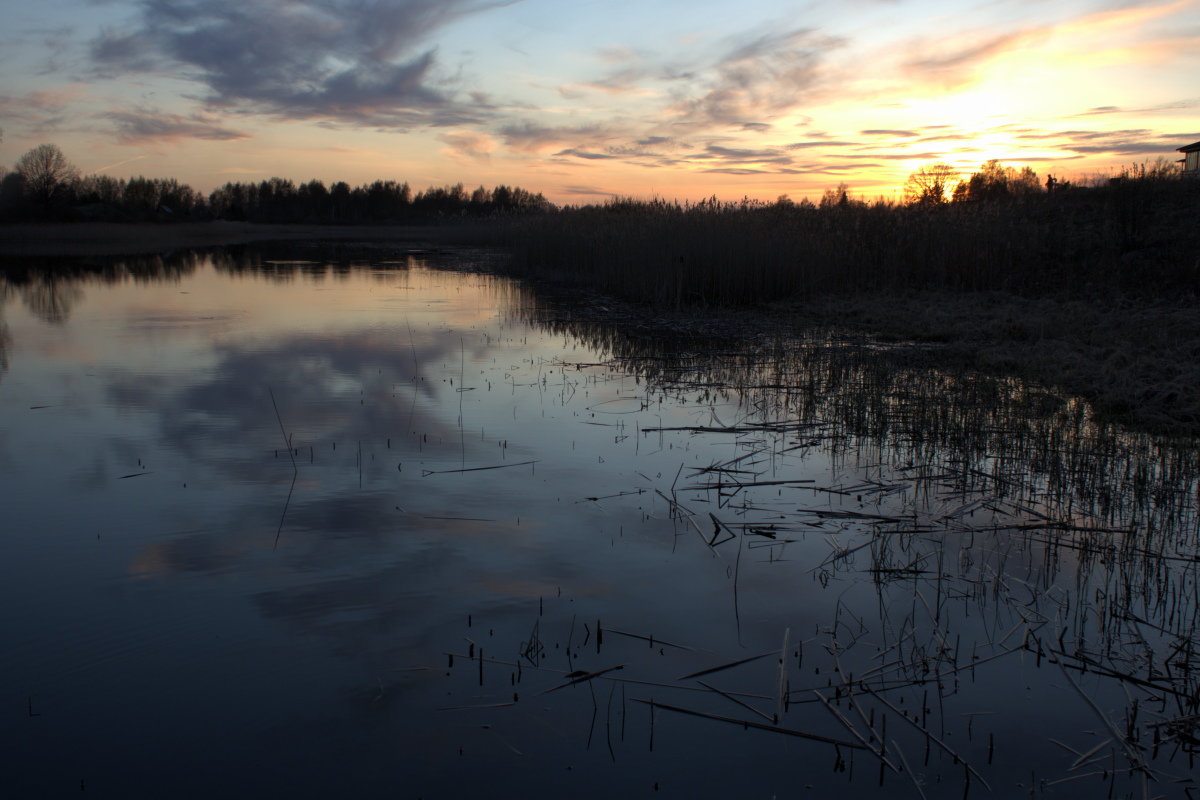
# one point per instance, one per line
(930, 184)
(47, 175)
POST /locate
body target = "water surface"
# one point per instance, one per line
(284, 523)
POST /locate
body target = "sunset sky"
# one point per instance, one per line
(583, 99)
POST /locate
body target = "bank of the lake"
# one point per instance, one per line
(1135, 360)
(113, 239)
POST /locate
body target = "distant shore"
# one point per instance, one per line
(113, 239)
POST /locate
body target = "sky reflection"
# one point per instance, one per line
(465, 468)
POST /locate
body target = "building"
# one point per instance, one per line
(1191, 159)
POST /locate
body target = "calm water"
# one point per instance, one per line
(308, 529)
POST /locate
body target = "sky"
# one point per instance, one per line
(583, 99)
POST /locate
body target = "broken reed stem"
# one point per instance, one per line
(287, 444)
(746, 723)
(949, 751)
(880, 753)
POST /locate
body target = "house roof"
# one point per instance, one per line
(1189, 148)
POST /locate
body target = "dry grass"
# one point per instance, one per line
(1136, 360)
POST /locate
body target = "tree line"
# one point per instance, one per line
(45, 185)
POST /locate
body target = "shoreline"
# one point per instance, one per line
(121, 239)
(1132, 359)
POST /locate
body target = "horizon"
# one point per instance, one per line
(675, 101)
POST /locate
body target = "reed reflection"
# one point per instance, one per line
(956, 497)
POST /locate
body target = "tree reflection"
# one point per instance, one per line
(52, 299)
(5, 340)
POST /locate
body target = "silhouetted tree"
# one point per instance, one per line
(930, 184)
(835, 198)
(839, 197)
(994, 181)
(48, 178)
(339, 200)
(12, 193)
(101, 190)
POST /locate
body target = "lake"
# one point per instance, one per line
(310, 521)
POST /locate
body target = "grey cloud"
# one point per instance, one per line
(739, 84)
(584, 154)
(876, 154)
(148, 125)
(836, 169)
(887, 132)
(736, 171)
(531, 136)
(1177, 105)
(360, 60)
(738, 155)
(822, 143)
(767, 44)
(590, 191)
(1128, 148)
(1123, 142)
(117, 53)
(761, 75)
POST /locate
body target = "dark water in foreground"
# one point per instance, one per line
(297, 529)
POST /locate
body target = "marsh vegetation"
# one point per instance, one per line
(1088, 288)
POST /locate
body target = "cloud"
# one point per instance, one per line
(586, 191)
(821, 143)
(1177, 105)
(143, 125)
(736, 87)
(758, 76)
(622, 81)
(959, 65)
(740, 155)
(1119, 142)
(584, 154)
(121, 53)
(347, 60)
(469, 144)
(736, 171)
(532, 137)
(40, 110)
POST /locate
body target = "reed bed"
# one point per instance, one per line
(1130, 235)
(976, 527)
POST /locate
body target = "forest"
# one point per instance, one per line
(45, 186)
